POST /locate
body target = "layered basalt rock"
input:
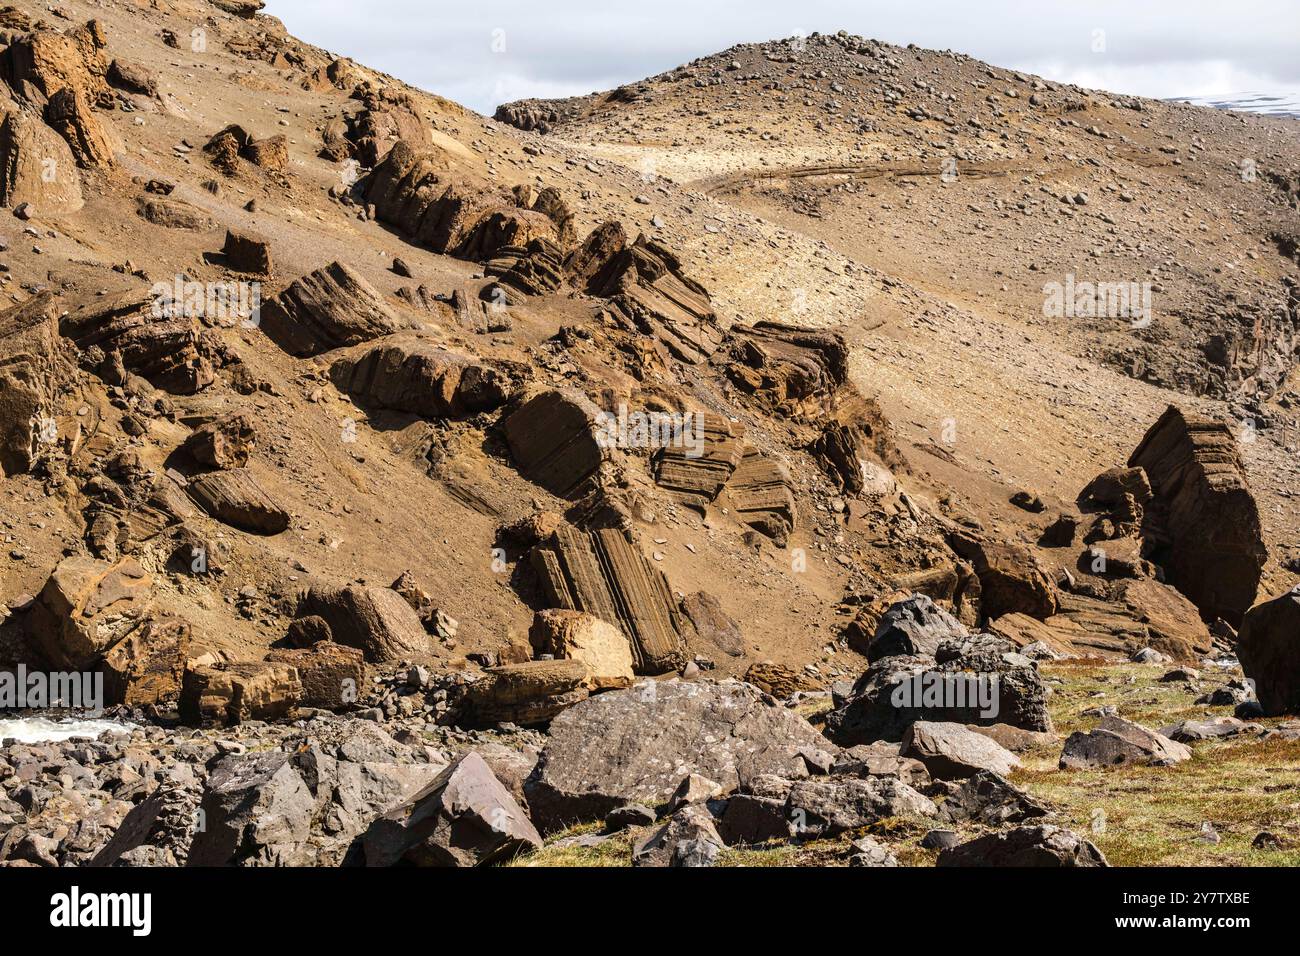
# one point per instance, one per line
(416, 375)
(235, 497)
(788, 370)
(327, 309)
(131, 331)
(645, 282)
(605, 574)
(697, 475)
(760, 491)
(1202, 526)
(554, 438)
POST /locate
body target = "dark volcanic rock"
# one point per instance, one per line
(1269, 650)
(1045, 845)
(914, 626)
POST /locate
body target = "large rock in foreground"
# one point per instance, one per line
(1045, 845)
(1203, 526)
(636, 746)
(465, 817)
(1115, 742)
(980, 681)
(951, 752)
(1269, 650)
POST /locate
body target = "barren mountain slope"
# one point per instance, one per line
(975, 187)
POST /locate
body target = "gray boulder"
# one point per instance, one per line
(914, 626)
(256, 811)
(1036, 846)
(1116, 742)
(689, 838)
(950, 751)
(636, 745)
(465, 817)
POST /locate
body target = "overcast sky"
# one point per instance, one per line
(484, 53)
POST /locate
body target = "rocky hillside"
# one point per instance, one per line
(600, 465)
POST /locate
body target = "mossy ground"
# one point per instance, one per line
(1137, 816)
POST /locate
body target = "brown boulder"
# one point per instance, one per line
(86, 607)
(1011, 579)
(225, 442)
(235, 498)
(779, 680)
(578, 636)
(526, 694)
(245, 252)
(37, 167)
(712, 623)
(332, 675)
(165, 348)
(239, 692)
(69, 114)
(554, 440)
(415, 375)
(377, 620)
(604, 573)
(148, 665)
(38, 65)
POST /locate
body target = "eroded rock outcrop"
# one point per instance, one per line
(31, 373)
(1203, 525)
(37, 167)
(134, 331)
(605, 574)
(410, 374)
(326, 309)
